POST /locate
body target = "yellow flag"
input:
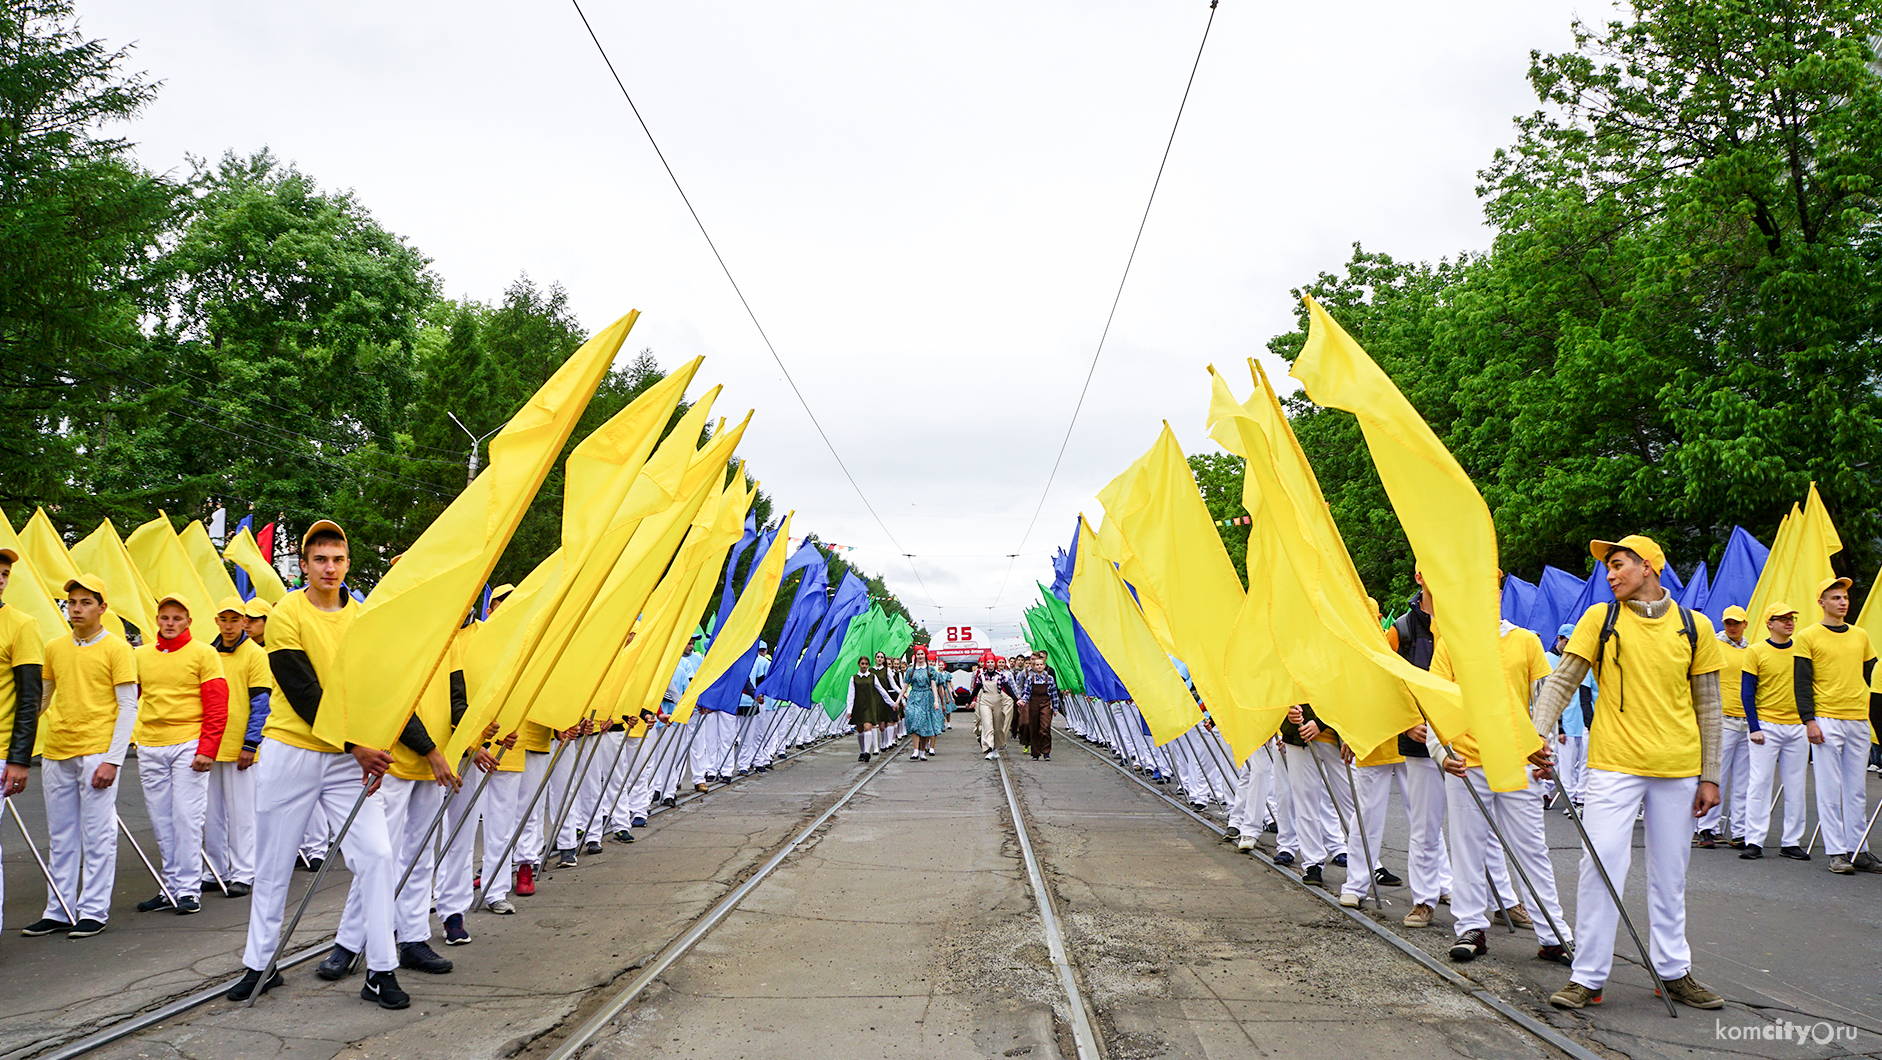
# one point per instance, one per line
(27, 590)
(102, 553)
(482, 666)
(406, 626)
(209, 567)
(47, 550)
(688, 603)
(1302, 612)
(1445, 519)
(1798, 563)
(243, 551)
(740, 630)
(1102, 604)
(166, 568)
(1184, 573)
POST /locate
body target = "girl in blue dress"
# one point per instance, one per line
(926, 690)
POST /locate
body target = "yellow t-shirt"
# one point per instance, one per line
(246, 667)
(1735, 660)
(298, 625)
(1775, 670)
(1836, 660)
(533, 737)
(1383, 755)
(170, 701)
(1520, 654)
(84, 708)
(1643, 720)
(20, 645)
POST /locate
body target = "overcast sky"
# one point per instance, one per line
(928, 205)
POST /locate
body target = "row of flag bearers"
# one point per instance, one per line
(1634, 720)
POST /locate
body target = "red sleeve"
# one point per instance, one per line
(215, 716)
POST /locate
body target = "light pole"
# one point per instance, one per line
(470, 473)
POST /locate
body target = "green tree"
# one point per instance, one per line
(1219, 477)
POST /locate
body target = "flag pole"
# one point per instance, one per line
(522, 820)
(158, 876)
(45, 870)
(439, 817)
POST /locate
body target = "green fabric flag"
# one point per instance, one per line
(832, 691)
(1063, 643)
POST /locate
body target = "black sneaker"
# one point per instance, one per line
(314, 864)
(188, 904)
(1556, 953)
(420, 957)
(239, 890)
(339, 964)
(640, 822)
(454, 932)
(44, 927)
(1270, 829)
(1340, 860)
(154, 903)
(246, 985)
(862, 756)
(1047, 756)
(383, 989)
(1737, 843)
(623, 836)
(1469, 946)
(1705, 839)
(85, 928)
(1386, 877)
(1793, 853)
(1232, 834)
(670, 802)
(1284, 857)
(1312, 877)
(593, 846)
(1752, 852)
(566, 859)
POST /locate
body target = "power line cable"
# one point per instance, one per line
(727, 269)
(1119, 296)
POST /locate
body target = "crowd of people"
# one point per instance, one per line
(1641, 715)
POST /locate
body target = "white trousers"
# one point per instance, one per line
(1784, 754)
(1270, 767)
(452, 890)
(1374, 784)
(1840, 764)
(229, 830)
(529, 842)
(1316, 820)
(644, 751)
(1428, 861)
(1734, 781)
(295, 786)
(570, 769)
(1608, 816)
(1571, 759)
(83, 844)
(177, 798)
(1241, 806)
(502, 804)
(712, 747)
(754, 745)
(319, 836)
(1189, 769)
(671, 764)
(1519, 815)
(409, 806)
(617, 757)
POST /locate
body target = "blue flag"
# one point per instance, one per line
(807, 607)
(1737, 577)
(731, 567)
(851, 600)
(242, 585)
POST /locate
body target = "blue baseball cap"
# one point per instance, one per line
(1567, 630)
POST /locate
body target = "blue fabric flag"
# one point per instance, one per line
(1556, 593)
(807, 607)
(723, 694)
(731, 567)
(1737, 577)
(1519, 600)
(1698, 591)
(242, 586)
(851, 600)
(1100, 679)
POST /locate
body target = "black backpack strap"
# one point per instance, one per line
(1607, 632)
(1690, 631)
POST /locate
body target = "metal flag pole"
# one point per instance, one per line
(1365, 844)
(476, 793)
(652, 744)
(211, 866)
(152, 869)
(596, 816)
(522, 819)
(281, 944)
(44, 869)
(584, 759)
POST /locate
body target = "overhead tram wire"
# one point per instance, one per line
(737, 290)
(1119, 296)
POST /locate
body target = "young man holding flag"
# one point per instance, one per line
(303, 776)
(1654, 743)
(1834, 663)
(179, 732)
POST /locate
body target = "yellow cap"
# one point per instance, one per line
(89, 582)
(1639, 544)
(174, 598)
(231, 603)
(1831, 583)
(1778, 610)
(319, 525)
(9, 555)
(1734, 613)
(501, 591)
(258, 608)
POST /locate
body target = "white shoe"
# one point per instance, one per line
(991, 755)
(916, 757)
(1350, 901)
(1245, 842)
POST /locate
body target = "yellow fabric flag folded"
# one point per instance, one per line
(740, 630)
(601, 509)
(1798, 563)
(1102, 604)
(1445, 519)
(166, 568)
(689, 603)
(243, 551)
(1304, 613)
(28, 591)
(209, 567)
(406, 626)
(47, 550)
(102, 553)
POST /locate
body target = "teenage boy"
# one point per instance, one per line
(1654, 744)
(1421, 785)
(303, 777)
(184, 708)
(229, 834)
(1734, 745)
(88, 731)
(1780, 746)
(22, 655)
(1834, 662)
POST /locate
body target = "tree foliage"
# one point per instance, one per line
(1676, 327)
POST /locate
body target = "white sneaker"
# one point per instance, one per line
(916, 757)
(1350, 901)
(1246, 842)
(991, 755)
